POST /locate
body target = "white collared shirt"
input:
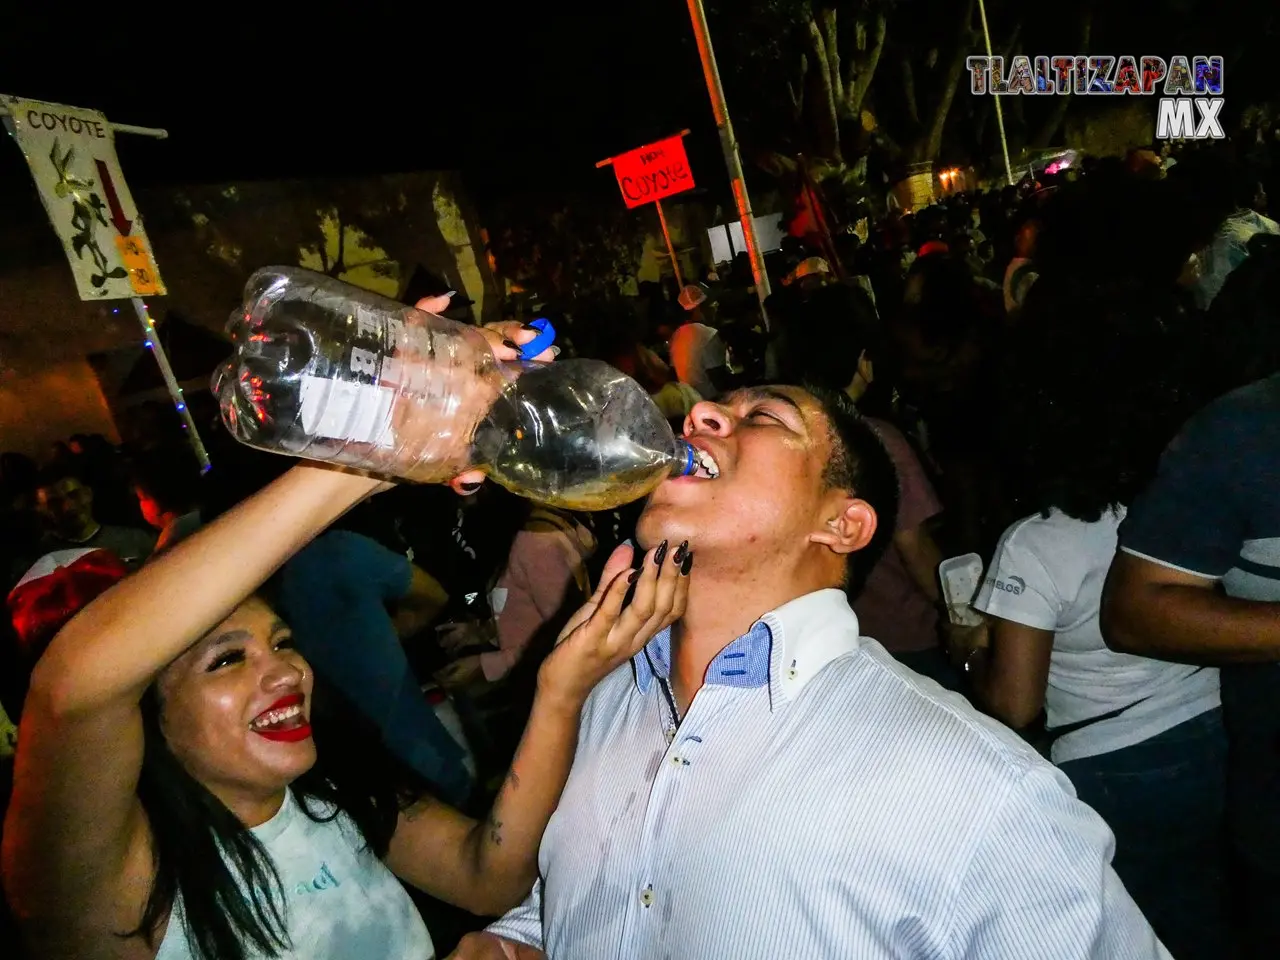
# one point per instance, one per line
(820, 801)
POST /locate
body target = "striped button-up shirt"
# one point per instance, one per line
(816, 801)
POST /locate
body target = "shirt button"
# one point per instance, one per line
(646, 896)
(675, 760)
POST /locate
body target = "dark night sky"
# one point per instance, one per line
(528, 98)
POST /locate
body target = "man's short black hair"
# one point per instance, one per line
(860, 464)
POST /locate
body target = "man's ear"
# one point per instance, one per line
(850, 530)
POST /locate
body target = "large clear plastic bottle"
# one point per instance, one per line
(327, 371)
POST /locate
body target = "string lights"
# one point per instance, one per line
(175, 391)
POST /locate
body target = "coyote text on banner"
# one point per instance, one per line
(652, 172)
(72, 156)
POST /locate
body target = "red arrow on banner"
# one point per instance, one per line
(113, 201)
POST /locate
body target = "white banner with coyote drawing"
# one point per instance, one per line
(72, 156)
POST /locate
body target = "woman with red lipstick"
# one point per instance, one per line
(170, 801)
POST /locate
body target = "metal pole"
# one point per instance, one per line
(671, 247)
(166, 371)
(711, 73)
(1004, 144)
(155, 132)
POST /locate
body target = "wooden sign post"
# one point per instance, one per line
(648, 174)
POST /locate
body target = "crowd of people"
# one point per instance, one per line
(279, 710)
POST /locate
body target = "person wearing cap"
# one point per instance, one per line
(57, 587)
(809, 274)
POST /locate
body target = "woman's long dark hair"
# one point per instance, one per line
(231, 892)
(1098, 379)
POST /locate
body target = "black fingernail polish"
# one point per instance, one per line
(633, 576)
(681, 550)
(471, 487)
(687, 565)
(530, 327)
(660, 554)
(511, 343)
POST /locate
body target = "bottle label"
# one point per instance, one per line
(344, 410)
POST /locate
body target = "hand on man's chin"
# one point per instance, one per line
(659, 522)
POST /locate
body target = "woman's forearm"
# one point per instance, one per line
(507, 842)
(117, 645)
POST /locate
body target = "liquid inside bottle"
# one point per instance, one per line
(578, 434)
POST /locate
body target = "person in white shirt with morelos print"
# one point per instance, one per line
(1141, 739)
(761, 782)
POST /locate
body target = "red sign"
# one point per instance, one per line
(650, 173)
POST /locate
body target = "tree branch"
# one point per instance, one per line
(795, 92)
(828, 124)
(862, 69)
(1012, 45)
(1045, 132)
(828, 15)
(909, 92)
(932, 142)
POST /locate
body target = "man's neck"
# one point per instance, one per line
(722, 606)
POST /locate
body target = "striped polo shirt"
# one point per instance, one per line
(817, 800)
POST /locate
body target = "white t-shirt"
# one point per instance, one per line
(1047, 573)
(341, 901)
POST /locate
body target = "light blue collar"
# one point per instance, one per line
(785, 648)
(743, 663)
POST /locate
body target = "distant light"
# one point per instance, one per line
(181, 407)
(115, 309)
(148, 344)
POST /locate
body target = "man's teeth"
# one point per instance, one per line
(707, 465)
(275, 717)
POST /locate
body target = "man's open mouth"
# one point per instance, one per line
(706, 466)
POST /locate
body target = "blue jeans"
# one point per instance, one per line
(1250, 695)
(1164, 799)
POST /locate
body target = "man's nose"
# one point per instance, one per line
(707, 417)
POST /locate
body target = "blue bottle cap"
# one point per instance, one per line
(690, 459)
(544, 339)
